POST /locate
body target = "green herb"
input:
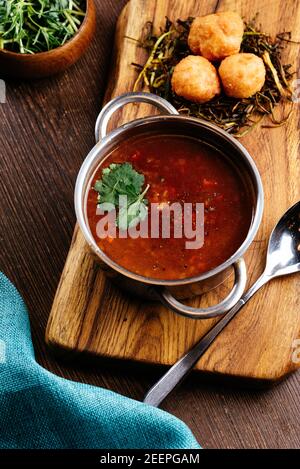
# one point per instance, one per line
(31, 26)
(121, 188)
(237, 116)
(131, 215)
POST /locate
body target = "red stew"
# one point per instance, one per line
(179, 169)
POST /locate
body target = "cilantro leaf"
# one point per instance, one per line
(121, 185)
(131, 215)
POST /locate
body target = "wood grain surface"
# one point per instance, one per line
(46, 129)
(90, 315)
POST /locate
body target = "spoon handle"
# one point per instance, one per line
(184, 365)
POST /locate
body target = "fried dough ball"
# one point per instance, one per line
(195, 79)
(242, 75)
(216, 36)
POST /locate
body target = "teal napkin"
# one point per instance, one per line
(41, 410)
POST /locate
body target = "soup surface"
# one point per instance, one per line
(183, 170)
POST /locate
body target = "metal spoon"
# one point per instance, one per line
(283, 258)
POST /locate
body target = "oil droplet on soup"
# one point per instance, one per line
(183, 170)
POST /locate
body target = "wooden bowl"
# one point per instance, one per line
(44, 64)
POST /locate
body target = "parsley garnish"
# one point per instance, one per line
(121, 188)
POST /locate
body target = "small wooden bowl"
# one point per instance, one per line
(44, 64)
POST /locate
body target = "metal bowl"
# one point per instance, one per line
(164, 290)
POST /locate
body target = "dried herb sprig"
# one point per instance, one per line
(237, 116)
(31, 26)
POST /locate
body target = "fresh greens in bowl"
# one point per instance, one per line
(32, 26)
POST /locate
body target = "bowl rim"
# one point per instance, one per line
(84, 176)
(19, 55)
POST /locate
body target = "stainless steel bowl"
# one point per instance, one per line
(169, 291)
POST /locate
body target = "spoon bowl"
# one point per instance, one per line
(283, 256)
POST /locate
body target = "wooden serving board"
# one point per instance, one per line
(90, 315)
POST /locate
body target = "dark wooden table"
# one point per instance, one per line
(46, 130)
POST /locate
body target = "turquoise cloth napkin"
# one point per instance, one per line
(41, 410)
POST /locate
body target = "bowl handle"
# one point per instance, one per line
(139, 97)
(205, 313)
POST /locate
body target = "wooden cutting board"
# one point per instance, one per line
(90, 315)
